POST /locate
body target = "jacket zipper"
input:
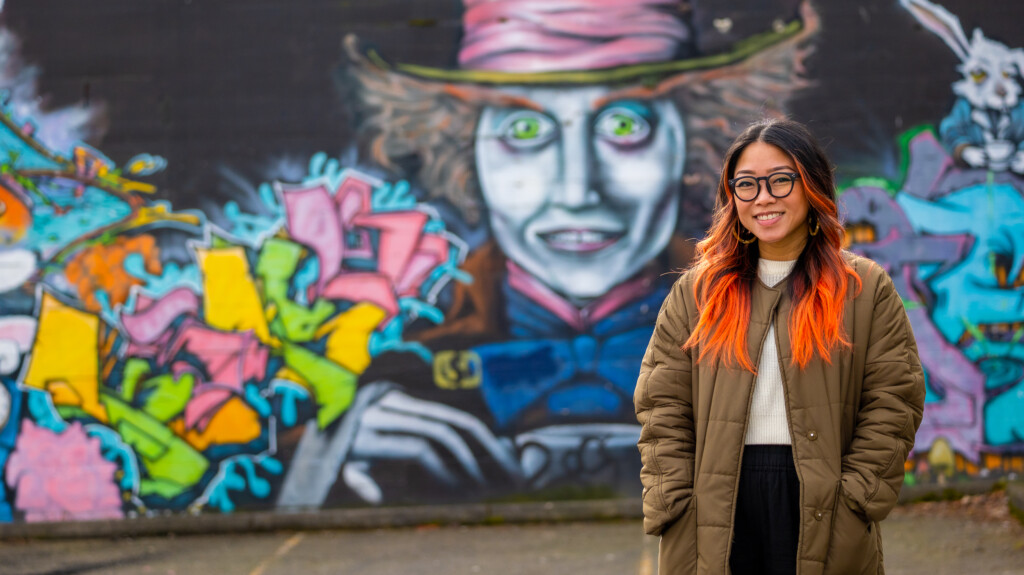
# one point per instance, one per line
(743, 437)
(792, 445)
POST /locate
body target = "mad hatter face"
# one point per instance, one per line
(581, 191)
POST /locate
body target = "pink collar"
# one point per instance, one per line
(579, 318)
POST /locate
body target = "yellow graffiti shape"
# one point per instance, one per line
(348, 344)
(65, 357)
(159, 213)
(231, 301)
(291, 375)
(941, 457)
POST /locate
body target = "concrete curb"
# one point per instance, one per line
(389, 517)
(363, 518)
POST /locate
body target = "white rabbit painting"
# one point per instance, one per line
(985, 129)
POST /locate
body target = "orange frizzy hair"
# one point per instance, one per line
(725, 269)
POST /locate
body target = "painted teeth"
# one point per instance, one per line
(578, 237)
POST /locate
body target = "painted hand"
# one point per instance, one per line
(1017, 162)
(974, 156)
(576, 452)
(433, 436)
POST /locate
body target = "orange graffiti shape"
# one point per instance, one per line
(235, 422)
(101, 268)
(15, 217)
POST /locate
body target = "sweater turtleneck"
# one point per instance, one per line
(767, 422)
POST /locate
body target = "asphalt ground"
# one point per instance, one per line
(974, 535)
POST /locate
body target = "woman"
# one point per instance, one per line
(781, 391)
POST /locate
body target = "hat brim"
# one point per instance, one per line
(623, 74)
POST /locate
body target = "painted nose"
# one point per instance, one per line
(580, 177)
(1001, 91)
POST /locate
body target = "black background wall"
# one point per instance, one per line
(248, 82)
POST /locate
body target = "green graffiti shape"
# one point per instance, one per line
(333, 385)
(134, 370)
(172, 464)
(278, 261)
(169, 396)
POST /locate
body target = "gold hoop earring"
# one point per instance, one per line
(817, 228)
(736, 234)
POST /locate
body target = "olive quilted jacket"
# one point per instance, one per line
(852, 426)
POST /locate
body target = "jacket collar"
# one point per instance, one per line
(767, 304)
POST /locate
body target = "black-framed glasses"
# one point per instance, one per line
(779, 185)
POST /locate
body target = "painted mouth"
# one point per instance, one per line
(580, 240)
(993, 332)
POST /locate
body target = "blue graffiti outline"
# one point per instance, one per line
(117, 451)
(44, 412)
(228, 479)
(290, 393)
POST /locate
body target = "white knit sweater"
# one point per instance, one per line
(768, 424)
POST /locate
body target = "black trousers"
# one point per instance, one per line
(767, 513)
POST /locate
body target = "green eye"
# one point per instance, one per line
(621, 125)
(526, 129)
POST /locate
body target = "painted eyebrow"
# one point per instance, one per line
(770, 171)
(640, 94)
(491, 97)
(523, 102)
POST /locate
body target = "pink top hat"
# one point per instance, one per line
(598, 41)
(559, 35)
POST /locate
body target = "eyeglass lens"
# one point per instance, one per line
(747, 187)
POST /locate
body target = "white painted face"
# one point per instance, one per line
(991, 71)
(581, 191)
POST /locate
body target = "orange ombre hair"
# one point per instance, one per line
(725, 269)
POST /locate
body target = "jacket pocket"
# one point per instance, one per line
(677, 550)
(853, 546)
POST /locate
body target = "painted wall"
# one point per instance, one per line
(251, 260)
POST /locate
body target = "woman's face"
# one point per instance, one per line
(780, 224)
(581, 191)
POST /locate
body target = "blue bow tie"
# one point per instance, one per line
(570, 375)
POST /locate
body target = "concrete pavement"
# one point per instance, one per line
(927, 539)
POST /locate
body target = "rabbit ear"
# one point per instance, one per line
(942, 23)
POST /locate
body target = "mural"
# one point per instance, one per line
(454, 307)
(951, 237)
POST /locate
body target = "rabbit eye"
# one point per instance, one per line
(978, 75)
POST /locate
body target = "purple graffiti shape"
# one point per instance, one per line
(152, 318)
(957, 415)
(932, 173)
